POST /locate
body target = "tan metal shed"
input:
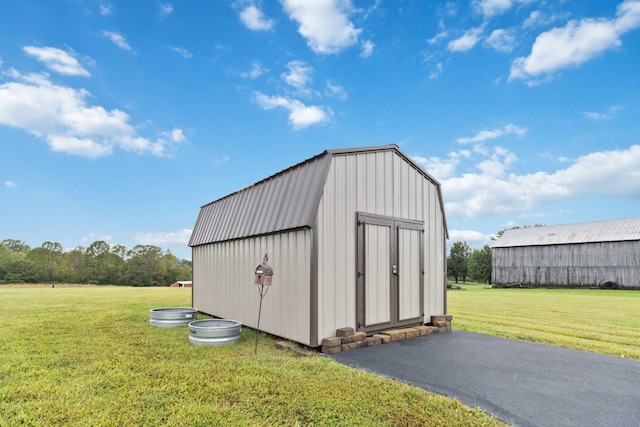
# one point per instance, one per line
(356, 237)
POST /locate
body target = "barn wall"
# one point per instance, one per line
(582, 265)
(381, 183)
(223, 277)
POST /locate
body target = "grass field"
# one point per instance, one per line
(600, 321)
(87, 356)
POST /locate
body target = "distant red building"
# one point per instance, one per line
(182, 284)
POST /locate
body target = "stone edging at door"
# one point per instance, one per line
(347, 339)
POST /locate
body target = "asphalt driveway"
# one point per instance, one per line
(521, 383)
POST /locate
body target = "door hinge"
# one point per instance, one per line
(360, 275)
(360, 223)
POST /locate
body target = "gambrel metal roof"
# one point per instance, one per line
(586, 232)
(287, 200)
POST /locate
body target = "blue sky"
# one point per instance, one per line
(119, 119)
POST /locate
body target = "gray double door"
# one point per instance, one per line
(390, 282)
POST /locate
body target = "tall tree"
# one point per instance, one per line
(16, 245)
(480, 264)
(186, 270)
(457, 262)
(99, 265)
(166, 270)
(120, 253)
(21, 272)
(73, 265)
(141, 264)
(46, 261)
(5, 261)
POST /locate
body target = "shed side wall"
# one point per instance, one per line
(379, 183)
(579, 265)
(223, 282)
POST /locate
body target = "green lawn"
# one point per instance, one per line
(600, 321)
(87, 356)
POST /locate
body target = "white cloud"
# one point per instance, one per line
(298, 76)
(496, 165)
(91, 237)
(184, 52)
(163, 238)
(467, 41)
(490, 8)
(117, 39)
(535, 17)
(501, 40)
(57, 60)
(441, 168)
(10, 184)
(485, 135)
(576, 43)
(469, 236)
(324, 24)
(221, 160)
(435, 73)
(106, 9)
(367, 49)
(175, 135)
(256, 71)
(84, 147)
(440, 36)
(254, 19)
(493, 192)
(165, 9)
(607, 115)
(335, 91)
(602, 173)
(60, 116)
(300, 115)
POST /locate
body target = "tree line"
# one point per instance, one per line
(464, 262)
(99, 263)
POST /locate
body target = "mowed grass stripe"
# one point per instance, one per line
(624, 338)
(621, 334)
(82, 356)
(593, 344)
(606, 322)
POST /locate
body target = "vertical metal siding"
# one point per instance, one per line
(409, 273)
(575, 265)
(381, 183)
(435, 271)
(378, 298)
(223, 275)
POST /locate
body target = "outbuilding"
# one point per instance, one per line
(182, 284)
(356, 238)
(602, 254)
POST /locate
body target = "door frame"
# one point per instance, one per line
(395, 224)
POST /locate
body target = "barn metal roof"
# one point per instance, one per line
(586, 232)
(287, 200)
